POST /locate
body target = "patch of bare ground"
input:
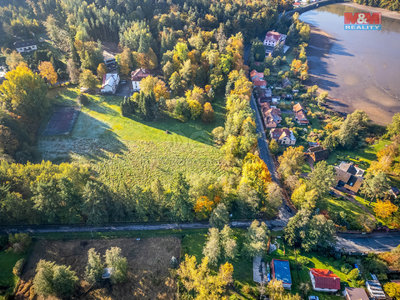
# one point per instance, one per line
(148, 267)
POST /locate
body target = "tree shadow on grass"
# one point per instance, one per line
(90, 138)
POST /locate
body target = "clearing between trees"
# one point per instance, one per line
(131, 151)
(148, 266)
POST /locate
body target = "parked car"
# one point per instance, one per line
(313, 298)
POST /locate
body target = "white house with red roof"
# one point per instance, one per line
(137, 76)
(110, 83)
(324, 280)
(273, 38)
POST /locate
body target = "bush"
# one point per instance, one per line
(83, 100)
(303, 261)
(19, 242)
(19, 265)
(128, 107)
(52, 279)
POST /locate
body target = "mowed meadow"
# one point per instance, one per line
(130, 151)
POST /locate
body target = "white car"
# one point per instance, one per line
(313, 298)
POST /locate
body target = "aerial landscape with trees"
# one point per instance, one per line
(216, 147)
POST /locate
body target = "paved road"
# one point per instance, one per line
(272, 224)
(265, 155)
(365, 243)
(285, 213)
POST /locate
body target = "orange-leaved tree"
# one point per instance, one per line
(47, 72)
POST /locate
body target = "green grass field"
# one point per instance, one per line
(129, 150)
(7, 278)
(363, 157)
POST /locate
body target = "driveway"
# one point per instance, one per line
(365, 243)
(124, 89)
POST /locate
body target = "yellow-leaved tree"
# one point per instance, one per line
(24, 93)
(47, 72)
(255, 173)
(199, 279)
(155, 85)
(101, 71)
(384, 209)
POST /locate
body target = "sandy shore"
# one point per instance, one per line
(384, 12)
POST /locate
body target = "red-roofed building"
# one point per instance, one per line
(256, 75)
(273, 38)
(137, 76)
(324, 280)
(260, 83)
(300, 114)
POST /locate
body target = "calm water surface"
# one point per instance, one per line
(362, 68)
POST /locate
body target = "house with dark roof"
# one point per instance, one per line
(25, 46)
(280, 270)
(355, 294)
(300, 114)
(349, 176)
(272, 117)
(137, 76)
(324, 280)
(317, 153)
(283, 136)
(110, 63)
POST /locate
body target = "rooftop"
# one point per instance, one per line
(356, 293)
(282, 270)
(325, 279)
(27, 43)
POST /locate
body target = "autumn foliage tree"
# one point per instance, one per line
(384, 209)
(255, 173)
(208, 113)
(47, 72)
(88, 80)
(200, 280)
(24, 93)
(101, 71)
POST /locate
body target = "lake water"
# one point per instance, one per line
(361, 69)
